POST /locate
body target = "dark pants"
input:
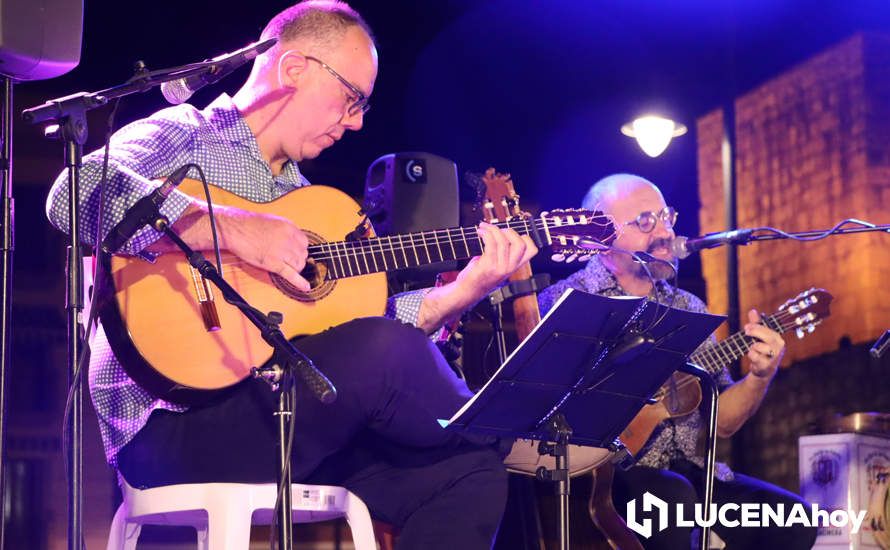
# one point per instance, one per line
(683, 484)
(380, 438)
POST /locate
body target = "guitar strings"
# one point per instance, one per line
(348, 253)
(742, 343)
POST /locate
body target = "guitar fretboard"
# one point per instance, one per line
(364, 256)
(717, 356)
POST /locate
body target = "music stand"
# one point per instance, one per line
(583, 374)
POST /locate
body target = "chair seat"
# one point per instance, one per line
(222, 513)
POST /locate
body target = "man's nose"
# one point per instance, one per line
(662, 231)
(353, 122)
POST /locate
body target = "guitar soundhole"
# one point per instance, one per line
(314, 272)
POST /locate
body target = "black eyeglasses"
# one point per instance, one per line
(646, 221)
(360, 104)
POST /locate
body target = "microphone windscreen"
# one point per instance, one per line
(176, 91)
(678, 247)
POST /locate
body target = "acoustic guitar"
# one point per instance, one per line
(178, 342)
(681, 394)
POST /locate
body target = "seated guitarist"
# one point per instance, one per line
(380, 437)
(669, 466)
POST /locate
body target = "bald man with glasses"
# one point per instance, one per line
(670, 464)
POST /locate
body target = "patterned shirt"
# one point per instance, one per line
(217, 139)
(675, 438)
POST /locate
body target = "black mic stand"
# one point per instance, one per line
(710, 394)
(280, 374)
(745, 236)
(8, 246)
(68, 115)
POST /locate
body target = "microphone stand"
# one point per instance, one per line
(745, 236)
(8, 247)
(279, 375)
(67, 116)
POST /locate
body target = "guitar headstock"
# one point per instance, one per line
(572, 234)
(498, 197)
(578, 233)
(802, 313)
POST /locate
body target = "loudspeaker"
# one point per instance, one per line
(408, 192)
(40, 39)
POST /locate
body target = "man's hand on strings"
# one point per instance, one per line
(766, 353)
(504, 250)
(268, 242)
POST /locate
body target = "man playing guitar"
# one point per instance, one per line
(380, 437)
(669, 466)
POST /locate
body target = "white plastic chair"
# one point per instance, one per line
(222, 513)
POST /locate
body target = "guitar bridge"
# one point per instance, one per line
(204, 294)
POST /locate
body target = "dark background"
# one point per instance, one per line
(536, 89)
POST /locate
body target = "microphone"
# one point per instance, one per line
(682, 247)
(143, 212)
(881, 345)
(178, 91)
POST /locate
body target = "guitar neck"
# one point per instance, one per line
(364, 256)
(722, 354)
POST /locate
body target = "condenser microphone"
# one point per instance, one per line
(178, 91)
(682, 247)
(143, 212)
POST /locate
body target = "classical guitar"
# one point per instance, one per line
(177, 341)
(681, 394)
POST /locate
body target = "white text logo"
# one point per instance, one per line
(748, 514)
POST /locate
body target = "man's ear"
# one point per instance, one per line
(291, 65)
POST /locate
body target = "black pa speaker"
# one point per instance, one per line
(40, 39)
(409, 192)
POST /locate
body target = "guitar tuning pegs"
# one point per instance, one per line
(558, 257)
(571, 258)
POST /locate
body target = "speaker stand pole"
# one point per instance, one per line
(6, 248)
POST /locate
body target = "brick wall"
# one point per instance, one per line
(813, 147)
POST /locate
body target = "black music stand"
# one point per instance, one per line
(583, 374)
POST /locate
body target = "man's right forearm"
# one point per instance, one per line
(193, 227)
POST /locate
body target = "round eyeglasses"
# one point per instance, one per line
(647, 221)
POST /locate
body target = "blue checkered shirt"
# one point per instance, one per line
(217, 139)
(675, 437)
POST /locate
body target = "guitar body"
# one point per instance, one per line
(682, 399)
(159, 330)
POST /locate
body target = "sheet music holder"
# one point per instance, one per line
(582, 375)
(581, 360)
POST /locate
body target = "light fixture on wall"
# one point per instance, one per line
(653, 133)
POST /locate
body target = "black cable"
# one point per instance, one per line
(643, 263)
(673, 294)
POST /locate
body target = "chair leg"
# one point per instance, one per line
(360, 523)
(228, 527)
(203, 537)
(123, 534)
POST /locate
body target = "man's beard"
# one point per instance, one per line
(661, 270)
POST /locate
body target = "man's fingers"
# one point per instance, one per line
(293, 276)
(517, 249)
(496, 248)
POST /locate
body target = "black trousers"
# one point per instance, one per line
(683, 484)
(380, 438)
